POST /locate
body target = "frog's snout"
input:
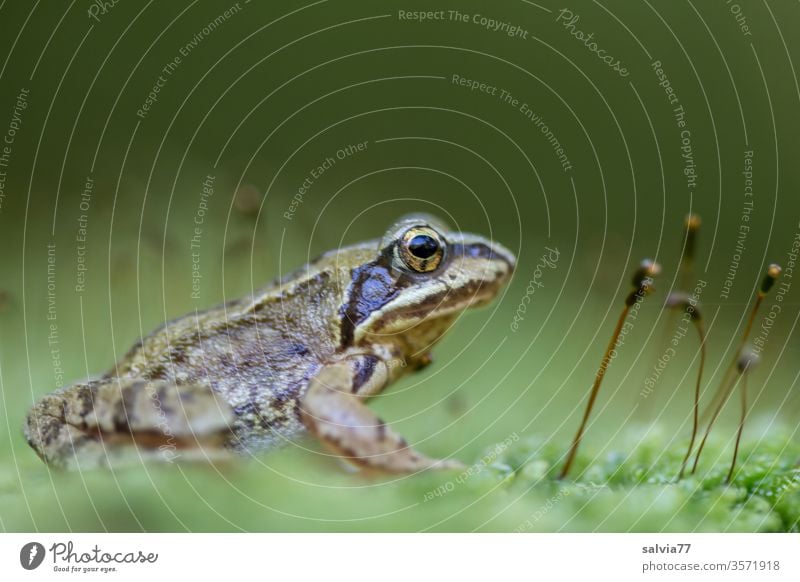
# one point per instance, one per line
(491, 260)
(478, 270)
(505, 256)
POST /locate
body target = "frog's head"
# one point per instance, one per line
(421, 276)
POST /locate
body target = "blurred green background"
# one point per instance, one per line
(261, 95)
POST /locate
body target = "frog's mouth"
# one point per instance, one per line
(452, 300)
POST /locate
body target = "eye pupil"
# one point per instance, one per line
(420, 250)
(423, 246)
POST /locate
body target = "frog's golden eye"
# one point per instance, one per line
(421, 249)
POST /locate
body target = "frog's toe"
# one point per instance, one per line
(448, 464)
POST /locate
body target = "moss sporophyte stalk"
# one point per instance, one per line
(736, 374)
(642, 284)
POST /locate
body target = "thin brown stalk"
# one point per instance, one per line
(724, 390)
(696, 408)
(598, 380)
(743, 392)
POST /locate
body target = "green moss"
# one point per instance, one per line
(639, 490)
(510, 487)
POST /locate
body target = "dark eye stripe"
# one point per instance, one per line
(372, 286)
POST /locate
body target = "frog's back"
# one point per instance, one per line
(258, 352)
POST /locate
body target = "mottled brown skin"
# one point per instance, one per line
(300, 355)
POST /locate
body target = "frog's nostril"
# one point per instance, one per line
(503, 254)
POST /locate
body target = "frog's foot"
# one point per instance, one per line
(112, 422)
(334, 413)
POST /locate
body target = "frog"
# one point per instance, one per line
(300, 357)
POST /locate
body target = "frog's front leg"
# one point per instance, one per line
(333, 411)
(117, 421)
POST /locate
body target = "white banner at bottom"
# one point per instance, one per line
(352, 557)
